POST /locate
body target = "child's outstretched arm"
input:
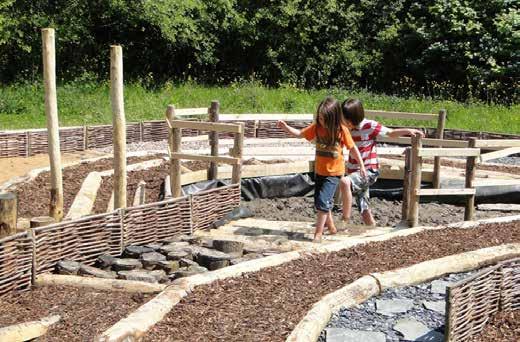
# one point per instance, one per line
(357, 156)
(400, 132)
(291, 130)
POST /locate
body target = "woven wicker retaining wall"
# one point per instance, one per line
(212, 205)
(474, 300)
(85, 239)
(15, 263)
(72, 139)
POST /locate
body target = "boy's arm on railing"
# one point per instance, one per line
(401, 132)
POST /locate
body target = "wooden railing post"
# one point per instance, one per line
(406, 184)
(213, 140)
(238, 147)
(437, 160)
(8, 214)
(175, 146)
(415, 182)
(471, 163)
(51, 111)
(119, 125)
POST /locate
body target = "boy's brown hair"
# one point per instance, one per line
(353, 111)
(330, 109)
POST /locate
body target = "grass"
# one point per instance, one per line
(88, 103)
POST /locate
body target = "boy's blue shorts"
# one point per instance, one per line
(324, 189)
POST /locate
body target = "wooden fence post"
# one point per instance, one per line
(437, 160)
(8, 214)
(41, 221)
(175, 146)
(471, 163)
(238, 147)
(51, 111)
(213, 140)
(415, 182)
(119, 125)
(406, 184)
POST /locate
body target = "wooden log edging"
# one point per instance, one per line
(118, 285)
(310, 327)
(86, 196)
(28, 330)
(134, 326)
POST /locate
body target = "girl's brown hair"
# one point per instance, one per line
(330, 109)
(353, 111)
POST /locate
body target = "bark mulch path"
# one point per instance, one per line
(503, 326)
(267, 305)
(84, 313)
(34, 196)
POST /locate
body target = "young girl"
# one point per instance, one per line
(331, 135)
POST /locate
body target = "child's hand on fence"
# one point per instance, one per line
(281, 124)
(416, 132)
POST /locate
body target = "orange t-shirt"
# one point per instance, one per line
(329, 166)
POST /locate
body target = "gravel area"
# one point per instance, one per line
(386, 213)
(365, 317)
(267, 305)
(84, 313)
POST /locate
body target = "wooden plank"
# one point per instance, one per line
(449, 152)
(445, 192)
(207, 126)
(186, 156)
(505, 143)
(499, 154)
(406, 184)
(471, 169)
(191, 111)
(437, 160)
(400, 115)
(238, 149)
(415, 182)
(426, 142)
(390, 151)
(213, 139)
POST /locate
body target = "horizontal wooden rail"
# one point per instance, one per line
(445, 192)
(499, 154)
(505, 143)
(390, 151)
(449, 152)
(401, 115)
(191, 111)
(186, 156)
(425, 141)
(205, 126)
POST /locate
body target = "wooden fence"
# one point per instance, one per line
(25, 255)
(472, 301)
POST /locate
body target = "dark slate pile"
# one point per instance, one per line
(414, 313)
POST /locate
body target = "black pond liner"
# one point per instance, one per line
(302, 184)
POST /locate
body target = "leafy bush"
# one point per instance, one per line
(451, 49)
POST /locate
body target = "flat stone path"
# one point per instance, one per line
(413, 313)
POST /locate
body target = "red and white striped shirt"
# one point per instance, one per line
(364, 135)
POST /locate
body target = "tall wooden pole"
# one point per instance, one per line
(471, 163)
(213, 139)
(175, 146)
(51, 111)
(406, 184)
(441, 124)
(415, 182)
(238, 147)
(8, 213)
(119, 125)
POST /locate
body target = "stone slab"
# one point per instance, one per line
(348, 335)
(438, 306)
(439, 286)
(413, 330)
(393, 306)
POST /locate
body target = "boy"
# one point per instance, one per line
(364, 133)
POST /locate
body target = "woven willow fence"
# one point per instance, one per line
(73, 139)
(474, 300)
(36, 251)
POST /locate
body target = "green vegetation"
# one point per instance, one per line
(80, 103)
(450, 49)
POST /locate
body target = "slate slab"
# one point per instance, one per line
(126, 264)
(437, 306)
(152, 259)
(393, 306)
(136, 251)
(105, 261)
(96, 272)
(413, 330)
(349, 335)
(67, 267)
(439, 286)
